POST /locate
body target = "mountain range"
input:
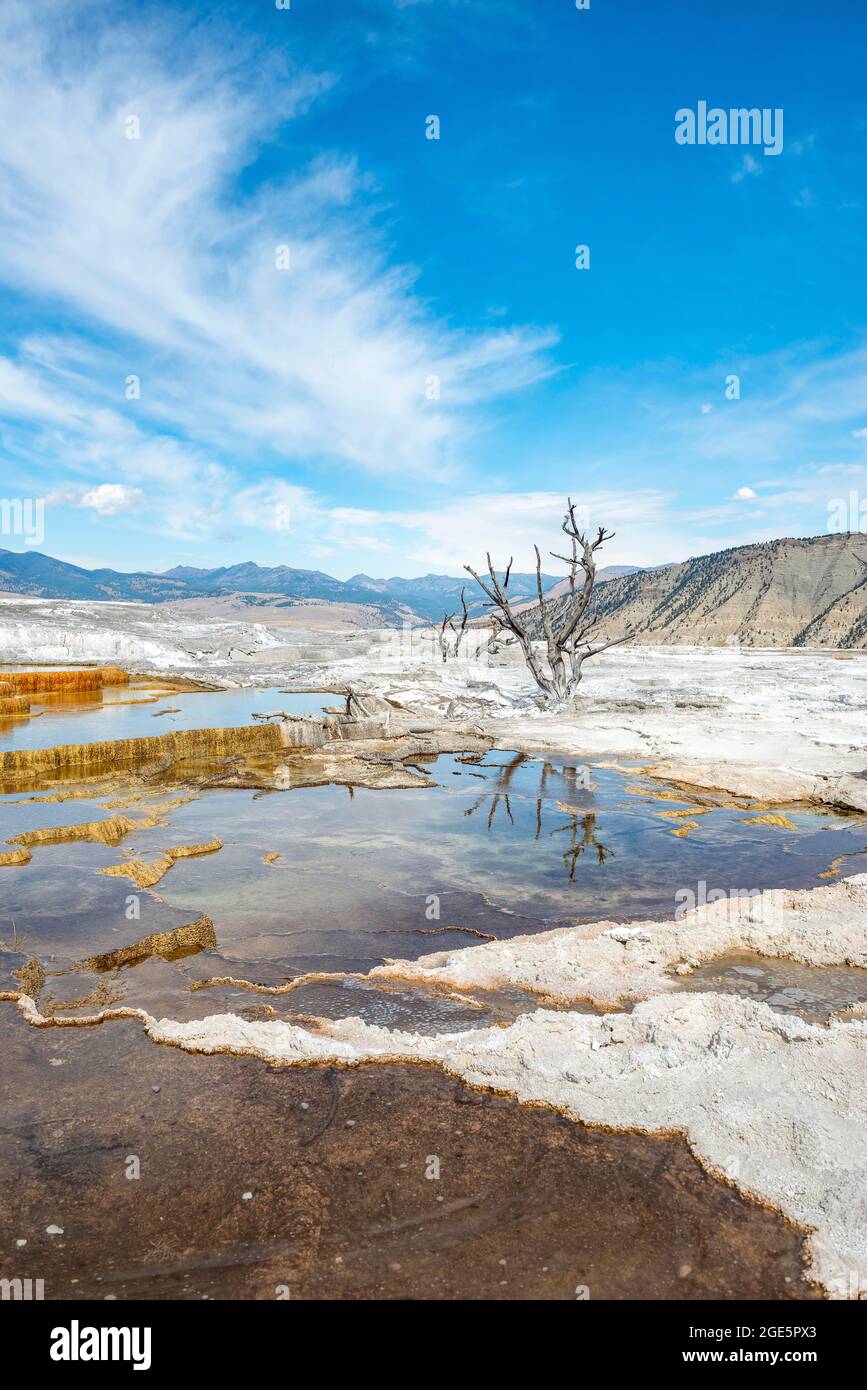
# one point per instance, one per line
(790, 592)
(394, 600)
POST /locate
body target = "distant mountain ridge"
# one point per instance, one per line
(29, 572)
(782, 593)
(395, 599)
(790, 592)
(428, 596)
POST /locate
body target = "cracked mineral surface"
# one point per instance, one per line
(651, 911)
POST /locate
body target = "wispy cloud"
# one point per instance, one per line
(748, 167)
(166, 247)
(457, 532)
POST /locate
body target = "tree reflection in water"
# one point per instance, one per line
(580, 825)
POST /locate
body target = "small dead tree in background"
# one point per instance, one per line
(570, 635)
(448, 625)
(498, 635)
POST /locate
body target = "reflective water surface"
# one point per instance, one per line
(310, 1178)
(335, 879)
(131, 711)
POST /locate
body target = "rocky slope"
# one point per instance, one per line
(784, 593)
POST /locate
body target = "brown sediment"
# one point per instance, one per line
(102, 996)
(835, 866)
(271, 857)
(259, 1013)
(124, 704)
(11, 858)
(176, 683)
(147, 794)
(78, 783)
(70, 794)
(174, 747)
(305, 752)
(191, 851)
(687, 814)
(850, 1013)
(313, 977)
(782, 822)
(685, 829)
(651, 794)
(471, 931)
(533, 1206)
(693, 792)
(699, 800)
(31, 977)
(13, 706)
(143, 873)
(171, 945)
(479, 999)
(30, 682)
(147, 873)
(105, 832)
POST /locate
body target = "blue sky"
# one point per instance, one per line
(283, 413)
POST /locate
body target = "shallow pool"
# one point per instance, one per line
(334, 879)
(136, 712)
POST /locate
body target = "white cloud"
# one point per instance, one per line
(275, 506)
(795, 400)
(508, 524)
(107, 499)
(327, 360)
(110, 498)
(745, 494)
(26, 395)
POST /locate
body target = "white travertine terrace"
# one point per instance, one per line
(817, 926)
(773, 1103)
(782, 724)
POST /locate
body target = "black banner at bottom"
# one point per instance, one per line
(150, 1338)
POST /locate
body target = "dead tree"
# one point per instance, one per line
(448, 623)
(571, 635)
(464, 620)
(498, 637)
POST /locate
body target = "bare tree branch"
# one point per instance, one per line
(569, 633)
(448, 623)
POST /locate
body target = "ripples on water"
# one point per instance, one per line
(499, 846)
